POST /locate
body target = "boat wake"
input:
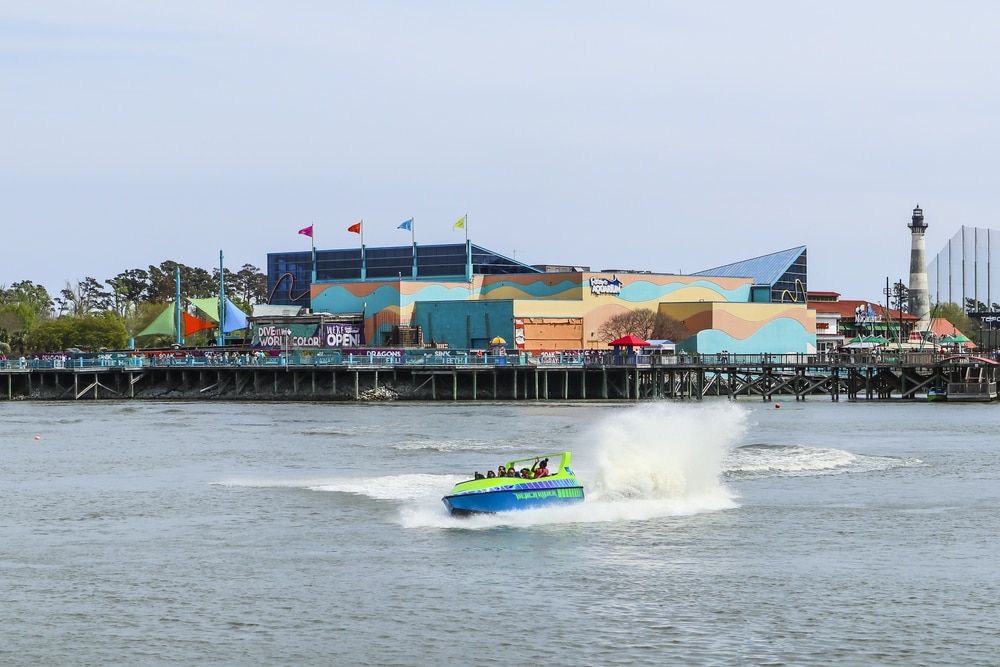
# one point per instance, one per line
(758, 461)
(645, 462)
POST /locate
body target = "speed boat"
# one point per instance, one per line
(505, 494)
(937, 393)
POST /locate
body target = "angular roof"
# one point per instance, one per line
(765, 270)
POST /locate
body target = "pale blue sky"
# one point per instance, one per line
(661, 135)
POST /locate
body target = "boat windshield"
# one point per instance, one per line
(556, 462)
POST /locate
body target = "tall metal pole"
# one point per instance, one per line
(177, 304)
(222, 302)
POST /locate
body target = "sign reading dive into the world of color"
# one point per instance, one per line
(342, 335)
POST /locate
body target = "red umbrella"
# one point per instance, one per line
(630, 341)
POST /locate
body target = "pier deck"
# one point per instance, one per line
(293, 378)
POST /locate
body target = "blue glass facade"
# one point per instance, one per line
(289, 274)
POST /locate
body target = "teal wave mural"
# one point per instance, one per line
(536, 289)
(648, 291)
(337, 299)
(782, 336)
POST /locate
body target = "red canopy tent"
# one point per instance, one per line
(629, 341)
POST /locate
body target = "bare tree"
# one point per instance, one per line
(643, 323)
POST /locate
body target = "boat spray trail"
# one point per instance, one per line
(642, 462)
(662, 458)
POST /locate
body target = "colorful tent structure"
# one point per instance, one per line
(235, 319)
(629, 341)
(166, 322)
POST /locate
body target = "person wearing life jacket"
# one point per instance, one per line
(540, 468)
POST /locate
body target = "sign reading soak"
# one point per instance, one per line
(342, 335)
(600, 285)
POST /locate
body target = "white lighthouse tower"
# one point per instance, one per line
(919, 296)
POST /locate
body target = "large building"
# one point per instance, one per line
(464, 296)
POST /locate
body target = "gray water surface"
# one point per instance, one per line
(820, 533)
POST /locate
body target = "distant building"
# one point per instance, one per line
(463, 296)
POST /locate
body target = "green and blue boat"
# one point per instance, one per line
(506, 494)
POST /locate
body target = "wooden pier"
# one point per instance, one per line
(764, 377)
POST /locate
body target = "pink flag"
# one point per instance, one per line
(307, 231)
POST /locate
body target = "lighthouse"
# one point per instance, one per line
(919, 297)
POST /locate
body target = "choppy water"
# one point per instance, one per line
(855, 533)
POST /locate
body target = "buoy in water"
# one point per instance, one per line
(38, 437)
(777, 405)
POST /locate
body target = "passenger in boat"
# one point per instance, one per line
(501, 471)
(511, 472)
(525, 473)
(541, 468)
(479, 475)
(490, 474)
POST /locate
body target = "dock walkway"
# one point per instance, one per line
(459, 375)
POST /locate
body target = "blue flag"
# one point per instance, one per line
(407, 225)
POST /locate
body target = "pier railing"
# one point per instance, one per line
(458, 357)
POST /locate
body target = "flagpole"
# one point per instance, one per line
(413, 238)
(364, 266)
(177, 305)
(468, 250)
(312, 238)
(222, 301)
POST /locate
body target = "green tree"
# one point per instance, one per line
(89, 332)
(196, 283)
(86, 297)
(128, 289)
(31, 301)
(251, 285)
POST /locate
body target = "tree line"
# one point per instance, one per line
(92, 314)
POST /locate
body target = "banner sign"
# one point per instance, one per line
(342, 335)
(381, 355)
(865, 314)
(290, 336)
(989, 320)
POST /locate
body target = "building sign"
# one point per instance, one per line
(294, 335)
(342, 335)
(865, 314)
(988, 320)
(382, 355)
(519, 332)
(600, 285)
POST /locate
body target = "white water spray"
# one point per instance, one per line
(661, 459)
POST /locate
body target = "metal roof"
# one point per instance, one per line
(765, 270)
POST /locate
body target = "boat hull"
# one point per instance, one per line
(937, 394)
(531, 495)
(489, 495)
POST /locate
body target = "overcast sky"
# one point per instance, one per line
(662, 135)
